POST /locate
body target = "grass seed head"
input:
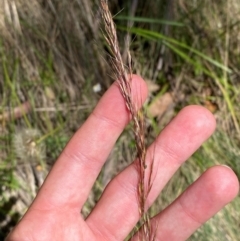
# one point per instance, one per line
(26, 145)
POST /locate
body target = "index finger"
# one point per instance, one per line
(71, 178)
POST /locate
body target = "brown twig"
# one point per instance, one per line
(138, 117)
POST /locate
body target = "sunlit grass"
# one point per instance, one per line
(56, 55)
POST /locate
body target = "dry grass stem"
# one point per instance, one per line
(138, 117)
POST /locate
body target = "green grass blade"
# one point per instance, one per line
(158, 36)
(149, 20)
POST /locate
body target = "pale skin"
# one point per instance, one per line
(55, 213)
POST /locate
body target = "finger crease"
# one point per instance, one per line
(107, 120)
(188, 213)
(82, 159)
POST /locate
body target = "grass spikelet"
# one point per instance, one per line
(138, 117)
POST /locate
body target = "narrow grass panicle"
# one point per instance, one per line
(124, 80)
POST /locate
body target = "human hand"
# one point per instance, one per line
(55, 213)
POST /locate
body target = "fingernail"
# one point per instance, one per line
(226, 166)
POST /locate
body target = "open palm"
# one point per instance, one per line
(55, 213)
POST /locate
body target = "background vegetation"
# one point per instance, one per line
(54, 68)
